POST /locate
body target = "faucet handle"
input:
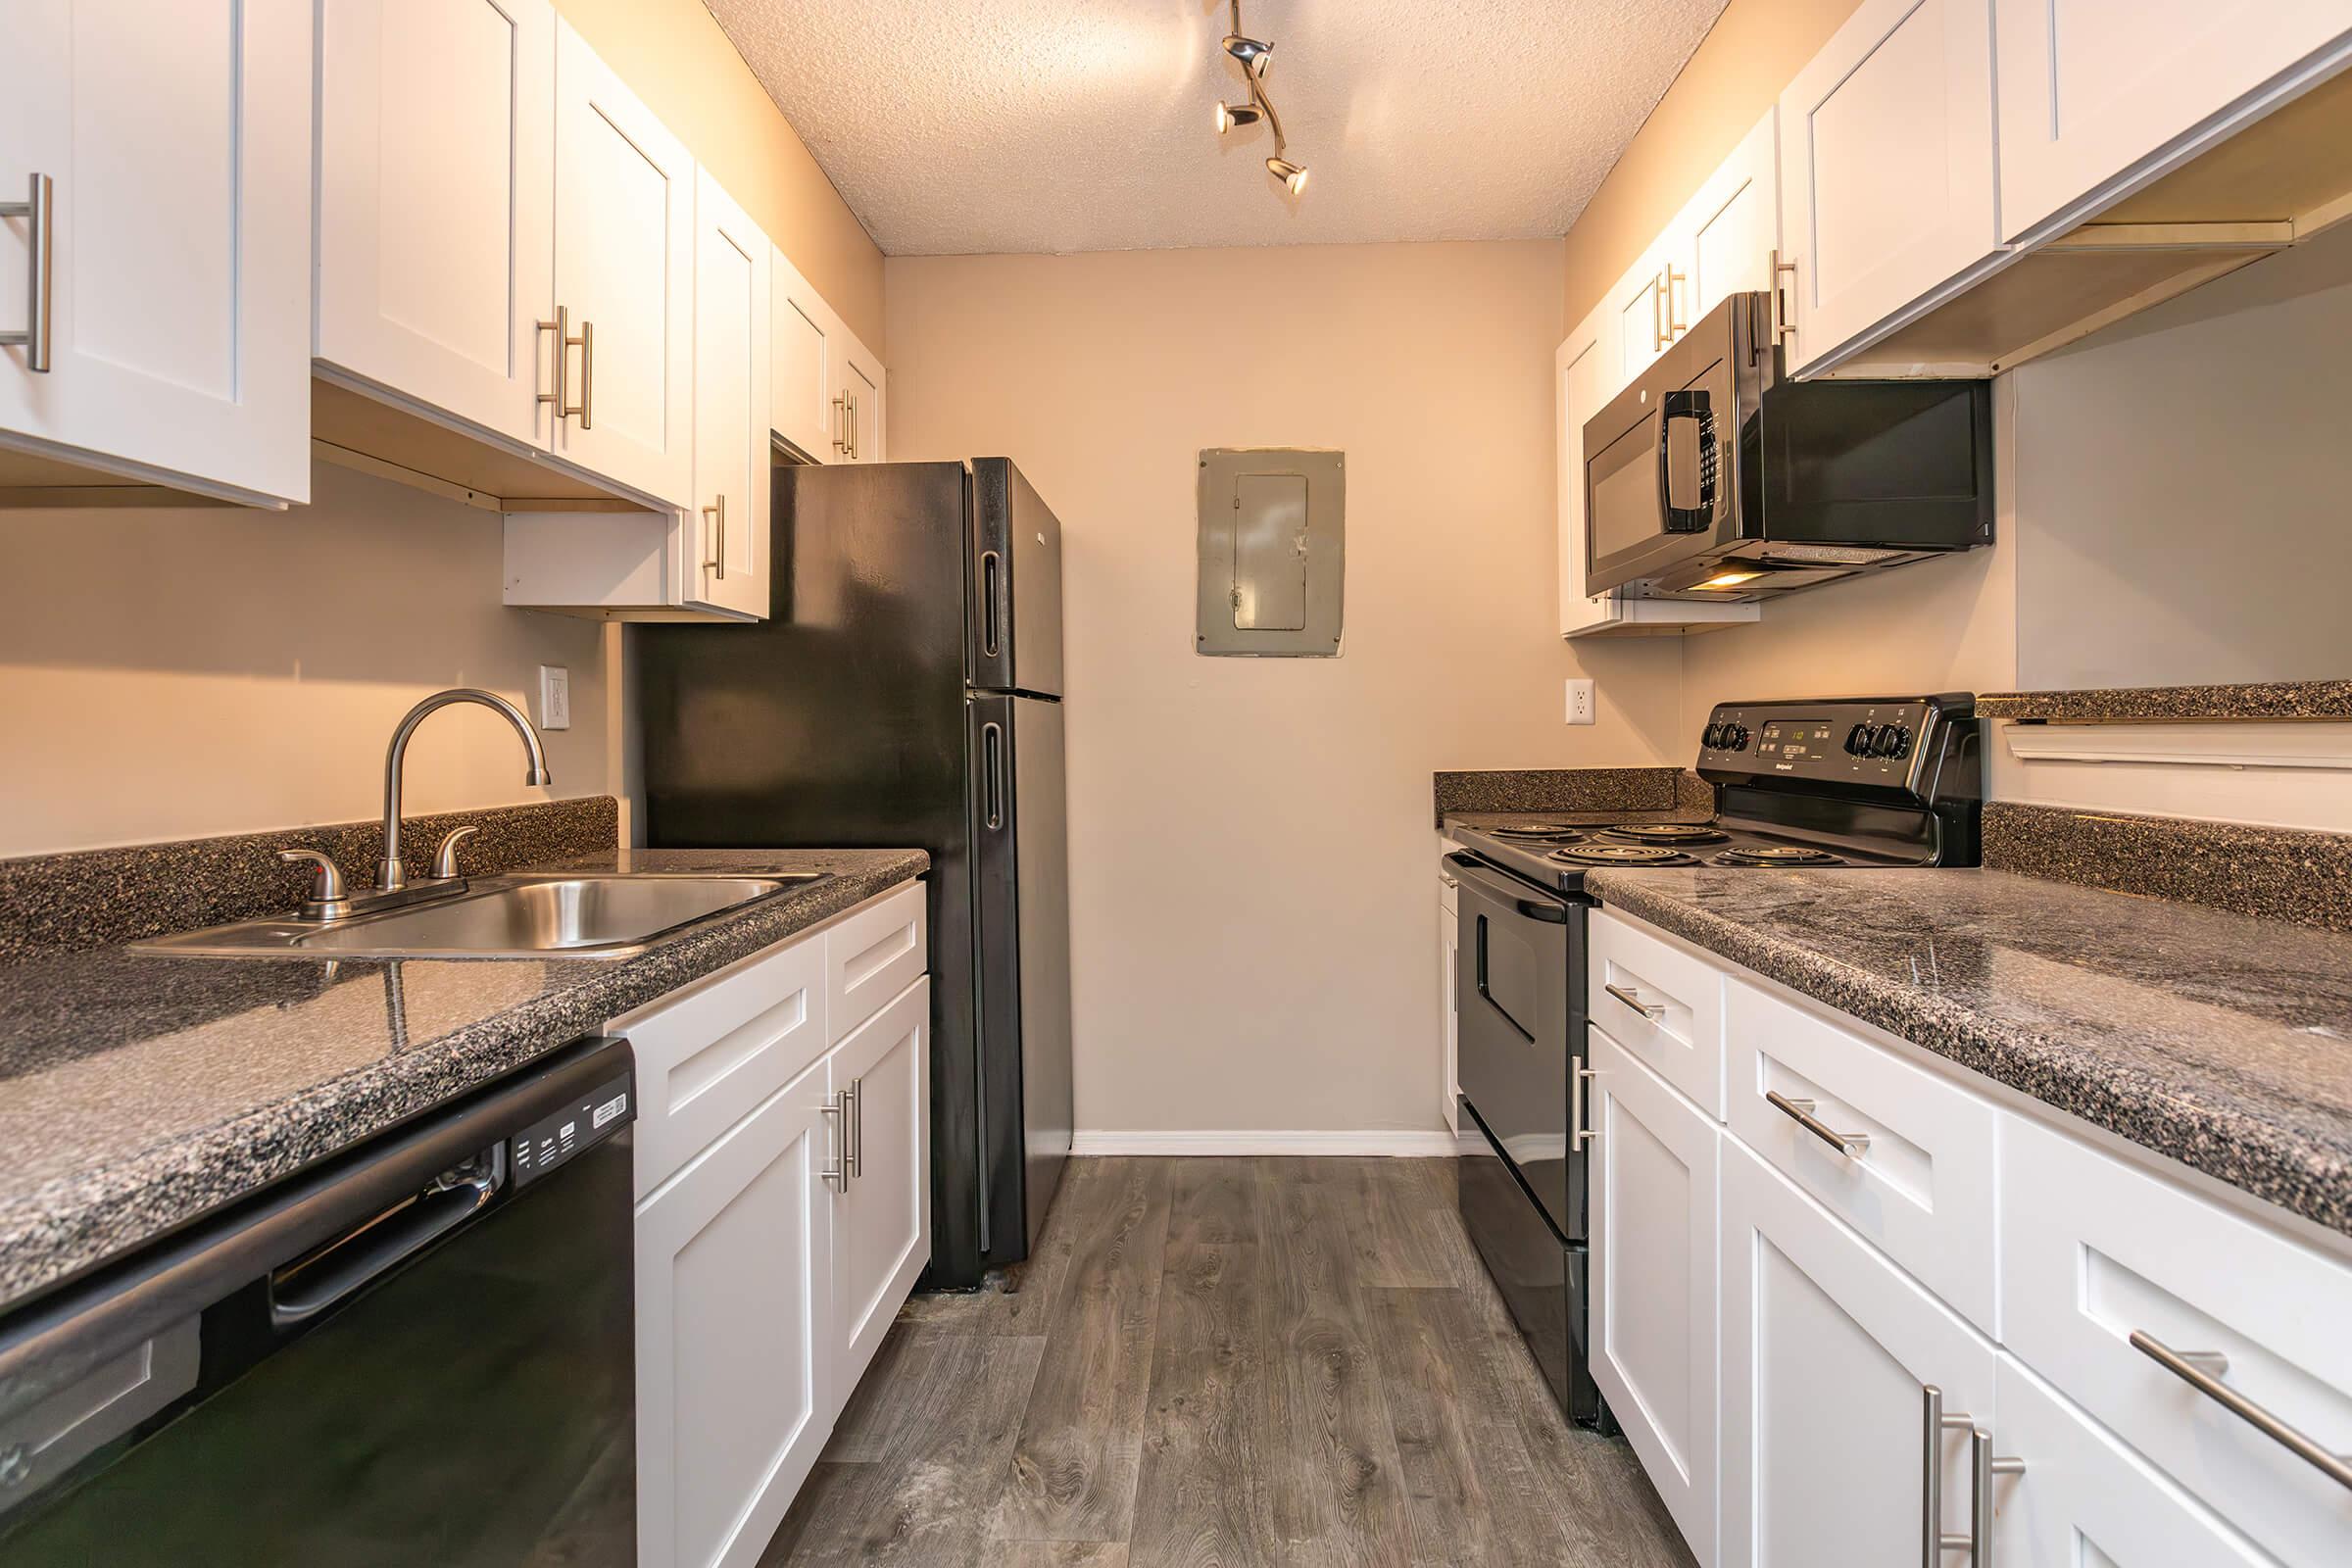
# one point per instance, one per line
(328, 900)
(445, 858)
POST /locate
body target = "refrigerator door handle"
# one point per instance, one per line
(991, 593)
(992, 774)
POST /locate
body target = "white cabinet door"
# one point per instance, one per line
(1886, 169)
(1640, 305)
(2086, 1501)
(801, 355)
(625, 280)
(1586, 374)
(1450, 1018)
(857, 385)
(724, 565)
(2092, 90)
(1654, 1261)
(436, 197)
(1733, 223)
(734, 1338)
(882, 1220)
(1828, 1354)
(173, 145)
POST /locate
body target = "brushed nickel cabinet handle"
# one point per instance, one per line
(1674, 328)
(562, 328)
(587, 409)
(841, 423)
(1578, 1102)
(1935, 1541)
(1983, 1466)
(1781, 329)
(1658, 335)
(716, 561)
(1653, 1011)
(837, 1173)
(2184, 1364)
(1800, 1111)
(857, 1156)
(38, 209)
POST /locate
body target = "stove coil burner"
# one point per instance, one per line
(1540, 833)
(1776, 855)
(1670, 833)
(1623, 855)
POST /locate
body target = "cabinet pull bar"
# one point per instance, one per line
(854, 1160)
(1577, 1107)
(1781, 331)
(1935, 1541)
(38, 209)
(837, 1172)
(587, 375)
(841, 424)
(1800, 1111)
(562, 328)
(717, 564)
(1983, 1466)
(2183, 1365)
(1674, 327)
(1653, 1011)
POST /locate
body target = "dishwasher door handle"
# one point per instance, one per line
(311, 1284)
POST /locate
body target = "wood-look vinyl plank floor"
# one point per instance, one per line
(1223, 1364)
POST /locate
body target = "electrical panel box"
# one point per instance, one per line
(1273, 552)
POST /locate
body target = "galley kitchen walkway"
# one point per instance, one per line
(1225, 1362)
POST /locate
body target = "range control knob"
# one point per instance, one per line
(1712, 740)
(1893, 741)
(1737, 737)
(1859, 740)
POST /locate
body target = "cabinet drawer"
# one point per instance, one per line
(872, 956)
(1911, 1176)
(2094, 1250)
(1663, 1002)
(707, 1055)
(2083, 1499)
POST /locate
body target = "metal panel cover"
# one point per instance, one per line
(1273, 552)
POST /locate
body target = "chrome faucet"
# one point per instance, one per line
(391, 875)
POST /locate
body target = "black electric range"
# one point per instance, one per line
(1826, 782)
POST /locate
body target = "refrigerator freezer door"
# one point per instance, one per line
(1021, 942)
(1015, 578)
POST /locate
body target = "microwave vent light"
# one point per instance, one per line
(1728, 579)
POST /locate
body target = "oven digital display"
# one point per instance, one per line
(1784, 740)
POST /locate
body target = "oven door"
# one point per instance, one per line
(1518, 1036)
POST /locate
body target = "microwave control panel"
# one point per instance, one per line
(1843, 741)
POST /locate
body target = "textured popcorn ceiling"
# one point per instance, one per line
(995, 126)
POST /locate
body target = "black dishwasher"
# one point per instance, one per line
(421, 1352)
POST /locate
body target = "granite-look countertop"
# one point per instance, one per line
(138, 1092)
(2219, 1040)
(2162, 705)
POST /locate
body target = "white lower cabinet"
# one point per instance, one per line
(1449, 1016)
(1654, 1201)
(882, 1221)
(784, 1165)
(734, 1370)
(1835, 1369)
(2084, 1501)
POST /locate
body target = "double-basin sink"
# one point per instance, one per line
(519, 915)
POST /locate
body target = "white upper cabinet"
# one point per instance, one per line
(436, 199)
(801, 330)
(857, 390)
(1733, 223)
(162, 277)
(724, 559)
(1585, 373)
(625, 277)
(2092, 90)
(1887, 170)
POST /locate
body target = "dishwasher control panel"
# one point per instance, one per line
(551, 1140)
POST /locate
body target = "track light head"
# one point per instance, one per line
(1232, 115)
(1254, 55)
(1292, 175)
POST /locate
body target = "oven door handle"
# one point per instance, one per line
(1495, 886)
(1696, 407)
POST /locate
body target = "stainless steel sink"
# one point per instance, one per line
(528, 915)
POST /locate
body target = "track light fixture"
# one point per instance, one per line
(1254, 56)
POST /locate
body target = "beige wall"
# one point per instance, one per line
(1252, 867)
(673, 54)
(1750, 55)
(175, 673)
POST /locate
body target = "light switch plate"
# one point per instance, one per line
(555, 697)
(1581, 702)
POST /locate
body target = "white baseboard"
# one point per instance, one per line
(1396, 1144)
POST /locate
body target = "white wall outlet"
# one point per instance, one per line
(555, 697)
(1579, 701)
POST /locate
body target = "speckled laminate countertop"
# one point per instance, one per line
(137, 1093)
(2218, 1039)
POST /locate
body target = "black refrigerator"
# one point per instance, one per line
(906, 691)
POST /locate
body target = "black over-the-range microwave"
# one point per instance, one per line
(1717, 476)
